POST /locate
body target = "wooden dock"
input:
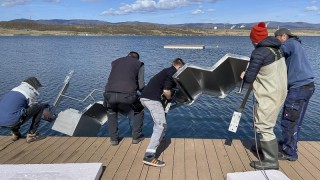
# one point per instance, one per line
(184, 46)
(185, 158)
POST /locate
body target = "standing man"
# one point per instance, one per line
(300, 89)
(267, 71)
(19, 105)
(125, 79)
(154, 97)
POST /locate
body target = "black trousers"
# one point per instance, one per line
(126, 104)
(35, 112)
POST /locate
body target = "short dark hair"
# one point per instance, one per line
(178, 62)
(134, 54)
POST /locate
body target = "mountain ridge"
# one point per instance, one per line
(84, 22)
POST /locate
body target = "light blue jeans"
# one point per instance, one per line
(160, 125)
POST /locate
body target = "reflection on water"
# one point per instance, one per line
(51, 58)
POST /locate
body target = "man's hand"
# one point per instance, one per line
(242, 74)
(47, 116)
(167, 94)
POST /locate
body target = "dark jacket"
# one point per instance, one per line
(299, 68)
(159, 82)
(262, 56)
(126, 76)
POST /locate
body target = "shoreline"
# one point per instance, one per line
(151, 32)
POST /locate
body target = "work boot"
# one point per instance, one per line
(15, 136)
(283, 156)
(31, 137)
(270, 153)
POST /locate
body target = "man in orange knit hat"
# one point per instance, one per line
(267, 72)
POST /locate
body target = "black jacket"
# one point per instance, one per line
(159, 82)
(263, 56)
(126, 76)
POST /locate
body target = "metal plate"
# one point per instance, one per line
(218, 80)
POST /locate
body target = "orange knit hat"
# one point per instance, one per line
(258, 32)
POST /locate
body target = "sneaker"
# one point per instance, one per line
(15, 136)
(31, 137)
(114, 142)
(139, 139)
(284, 156)
(152, 161)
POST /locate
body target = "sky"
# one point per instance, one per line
(164, 11)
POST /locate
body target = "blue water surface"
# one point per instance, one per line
(50, 58)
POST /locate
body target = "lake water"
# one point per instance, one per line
(50, 58)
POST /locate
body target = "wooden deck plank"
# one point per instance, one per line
(75, 155)
(98, 155)
(4, 141)
(126, 164)
(315, 144)
(183, 157)
(137, 165)
(114, 162)
(214, 165)
(54, 154)
(178, 166)
(237, 164)
(166, 172)
(223, 157)
(308, 161)
(190, 160)
(202, 162)
(69, 150)
(35, 152)
(29, 148)
(311, 147)
(301, 170)
(11, 147)
(46, 152)
(84, 158)
(244, 156)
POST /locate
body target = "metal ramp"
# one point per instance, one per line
(218, 80)
(192, 81)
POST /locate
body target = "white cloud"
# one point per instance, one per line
(197, 11)
(54, 1)
(90, 0)
(312, 8)
(313, 2)
(10, 3)
(143, 6)
(210, 10)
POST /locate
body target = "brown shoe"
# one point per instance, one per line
(31, 137)
(15, 136)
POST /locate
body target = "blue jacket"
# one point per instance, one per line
(14, 102)
(262, 56)
(299, 69)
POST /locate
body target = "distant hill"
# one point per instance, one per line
(82, 22)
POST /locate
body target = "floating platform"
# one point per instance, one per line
(184, 46)
(185, 158)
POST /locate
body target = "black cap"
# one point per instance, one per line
(33, 81)
(283, 31)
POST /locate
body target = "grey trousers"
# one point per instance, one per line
(160, 125)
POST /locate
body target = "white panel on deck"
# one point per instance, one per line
(69, 171)
(257, 175)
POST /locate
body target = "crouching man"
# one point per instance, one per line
(19, 105)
